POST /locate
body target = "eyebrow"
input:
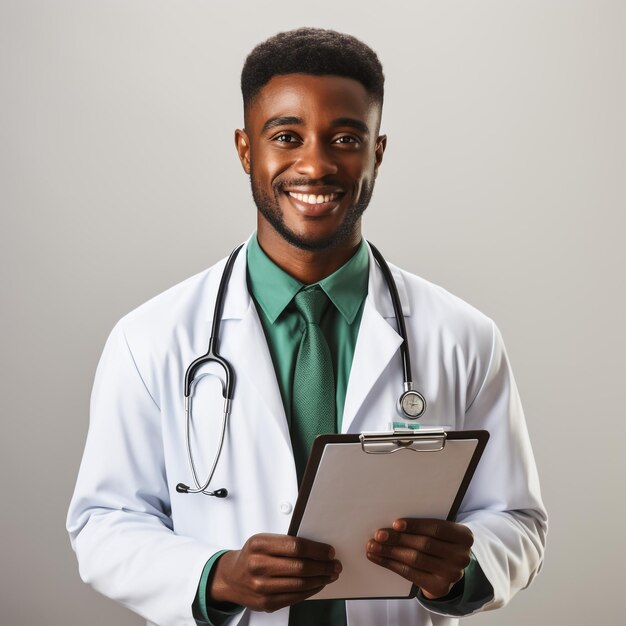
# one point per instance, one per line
(352, 122)
(281, 121)
(288, 120)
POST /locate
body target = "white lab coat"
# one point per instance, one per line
(143, 544)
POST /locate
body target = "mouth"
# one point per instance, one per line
(311, 198)
(315, 204)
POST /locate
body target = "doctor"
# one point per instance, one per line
(309, 330)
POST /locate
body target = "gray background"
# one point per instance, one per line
(503, 181)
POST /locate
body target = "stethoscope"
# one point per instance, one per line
(411, 403)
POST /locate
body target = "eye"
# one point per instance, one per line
(284, 138)
(347, 139)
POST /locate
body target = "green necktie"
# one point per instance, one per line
(313, 397)
(313, 413)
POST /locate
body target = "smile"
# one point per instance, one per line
(310, 198)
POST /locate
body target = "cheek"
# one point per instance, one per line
(270, 164)
(363, 174)
(360, 165)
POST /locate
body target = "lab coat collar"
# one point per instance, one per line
(378, 341)
(246, 339)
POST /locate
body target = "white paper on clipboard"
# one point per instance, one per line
(354, 493)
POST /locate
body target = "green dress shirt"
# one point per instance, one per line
(272, 290)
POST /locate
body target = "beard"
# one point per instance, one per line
(269, 207)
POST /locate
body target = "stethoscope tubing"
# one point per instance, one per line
(397, 309)
(213, 350)
(212, 355)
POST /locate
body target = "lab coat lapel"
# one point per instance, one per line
(255, 368)
(377, 342)
(248, 350)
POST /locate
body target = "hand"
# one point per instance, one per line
(273, 571)
(432, 554)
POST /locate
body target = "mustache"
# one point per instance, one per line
(280, 185)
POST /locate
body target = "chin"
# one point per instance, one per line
(313, 241)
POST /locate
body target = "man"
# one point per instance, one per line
(305, 302)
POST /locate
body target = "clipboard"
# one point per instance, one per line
(356, 484)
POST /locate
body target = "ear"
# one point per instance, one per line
(381, 144)
(242, 144)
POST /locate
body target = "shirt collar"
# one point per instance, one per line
(273, 289)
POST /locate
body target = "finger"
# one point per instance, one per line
(267, 565)
(438, 529)
(284, 545)
(272, 586)
(423, 543)
(417, 560)
(436, 586)
(273, 602)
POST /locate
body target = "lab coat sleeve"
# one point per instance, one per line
(503, 505)
(118, 521)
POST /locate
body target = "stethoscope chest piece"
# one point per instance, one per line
(412, 404)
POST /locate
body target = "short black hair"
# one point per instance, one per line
(315, 51)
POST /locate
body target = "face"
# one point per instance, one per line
(311, 148)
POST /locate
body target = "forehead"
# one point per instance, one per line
(314, 99)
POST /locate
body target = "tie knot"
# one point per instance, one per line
(311, 304)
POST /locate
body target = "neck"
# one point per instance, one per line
(307, 266)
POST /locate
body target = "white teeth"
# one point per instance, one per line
(312, 198)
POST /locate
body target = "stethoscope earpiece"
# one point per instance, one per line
(218, 493)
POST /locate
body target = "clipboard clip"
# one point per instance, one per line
(402, 439)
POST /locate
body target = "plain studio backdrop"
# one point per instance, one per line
(503, 181)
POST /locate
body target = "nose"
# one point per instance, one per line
(316, 160)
